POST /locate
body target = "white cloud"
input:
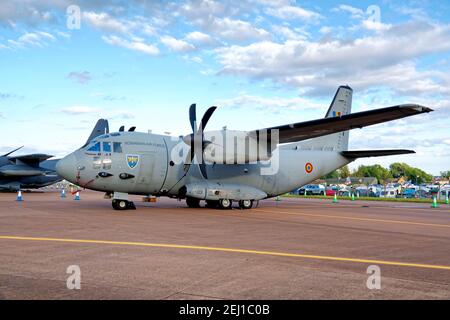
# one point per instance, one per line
(218, 19)
(176, 44)
(355, 13)
(200, 38)
(288, 33)
(193, 59)
(78, 110)
(238, 30)
(273, 103)
(80, 77)
(325, 29)
(384, 59)
(369, 24)
(105, 22)
(34, 39)
(292, 12)
(29, 12)
(135, 44)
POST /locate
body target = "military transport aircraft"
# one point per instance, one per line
(33, 171)
(27, 171)
(225, 166)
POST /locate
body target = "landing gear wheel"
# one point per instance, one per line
(225, 203)
(245, 204)
(193, 202)
(212, 204)
(118, 204)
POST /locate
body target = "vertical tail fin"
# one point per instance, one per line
(100, 128)
(341, 105)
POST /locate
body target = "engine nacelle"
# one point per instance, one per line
(215, 191)
(230, 147)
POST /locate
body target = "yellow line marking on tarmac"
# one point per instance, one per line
(269, 253)
(372, 204)
(358, 219)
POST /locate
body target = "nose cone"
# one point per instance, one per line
(67, 167)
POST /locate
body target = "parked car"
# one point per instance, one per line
(344, 193)
(444, 192)
(362, 191)
(423, 194)
(312, 189)
(409, 193)
(331, 191)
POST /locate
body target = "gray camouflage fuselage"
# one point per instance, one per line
(155, 175)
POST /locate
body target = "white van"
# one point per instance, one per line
(388, 193)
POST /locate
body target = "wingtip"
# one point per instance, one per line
(417, 107)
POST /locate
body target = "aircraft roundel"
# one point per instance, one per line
(309, 167)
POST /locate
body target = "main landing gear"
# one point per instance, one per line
(193, 202)
(224, 204)
(246, 204)
(123, 205)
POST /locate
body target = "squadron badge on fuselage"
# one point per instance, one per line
(132, 160)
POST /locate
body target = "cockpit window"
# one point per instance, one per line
(107, 164)
(97, 162)
(106, 146)
(95, 147)
(117, 146)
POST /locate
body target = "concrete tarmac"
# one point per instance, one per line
(288, 249)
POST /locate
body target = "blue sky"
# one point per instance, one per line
(263, 62)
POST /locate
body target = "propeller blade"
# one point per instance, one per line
(202, 167)
(7, 154)
(202, 145)
(197, 142)
(207, 116)
(193, 117)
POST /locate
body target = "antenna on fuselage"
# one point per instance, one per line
(132, 129)
(122, 129)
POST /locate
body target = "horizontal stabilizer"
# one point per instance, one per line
(374, 153)
(32, 160)
(7, 154)
(321, 127)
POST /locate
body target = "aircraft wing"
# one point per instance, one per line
(374, 153)
(322, 127)
(32, 160)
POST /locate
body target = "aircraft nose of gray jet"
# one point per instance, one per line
(66, 167)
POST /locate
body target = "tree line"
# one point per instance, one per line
(395, 170)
